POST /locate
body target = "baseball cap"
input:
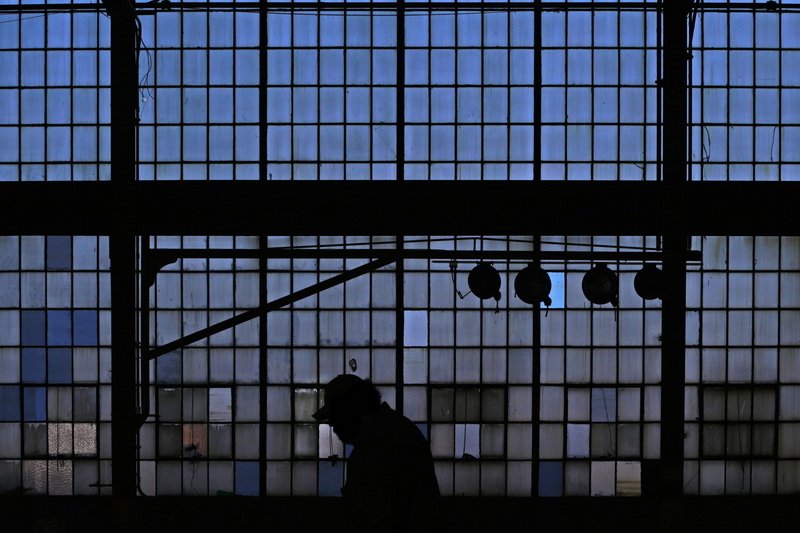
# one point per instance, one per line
(338, 387)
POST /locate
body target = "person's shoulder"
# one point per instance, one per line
(388, 413)
(401, 425)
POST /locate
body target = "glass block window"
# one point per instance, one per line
(515, 400)
(745, 93)
(414, 94)
(600, 107)
(742, 333)
(55, 365)
(199, 106)
(463, 369)
(54, 94)
(205, 400)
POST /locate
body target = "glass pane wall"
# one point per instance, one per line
(515, 400)
(55, 365)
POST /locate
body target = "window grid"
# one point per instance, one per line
(54, 97)
(741, 329)
(206, 440)
(199, 96)
(206, 399)
(599, 372)
(54, 366)
(744, 96)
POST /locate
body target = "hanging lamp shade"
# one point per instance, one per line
(648, 282)
(601, 286)
(533, 285)
(484, 282)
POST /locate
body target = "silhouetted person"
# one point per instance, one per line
(390, 483)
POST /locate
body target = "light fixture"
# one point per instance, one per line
(533, 285)
(648, 282)
(600, 286)
(484, 282)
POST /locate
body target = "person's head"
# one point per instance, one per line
(348, 399)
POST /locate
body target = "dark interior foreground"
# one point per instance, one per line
(186, 515)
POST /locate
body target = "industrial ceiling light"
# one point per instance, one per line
(600, 286)
(484, 282)
(648, 282)
(533, 285)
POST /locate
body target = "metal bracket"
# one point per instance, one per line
(153, 261)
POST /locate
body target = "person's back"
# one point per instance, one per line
(390, 478)
(391, 482)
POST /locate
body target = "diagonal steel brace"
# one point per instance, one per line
(271, 306)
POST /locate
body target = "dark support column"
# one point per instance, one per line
(124, 420)
(124, 427)
(673, 362)
(673, 371)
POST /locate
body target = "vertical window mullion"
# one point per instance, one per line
(345, 83)
(47, 96)
(400, 172)
(592, 78)
(618, 92)
(292, 125)
(69, 103)
(20, 173)
(483, 90)
(430, 163)
(181, 117)
(779, 126)
(567, 165)
(537, 100)
(659, 96)
(507, 155)
(371, 95)
(456, 87)
(536, 369)
(233, 128)
(263, 262)
(318, 126)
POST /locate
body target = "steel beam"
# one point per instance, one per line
(164, 256)
(400, 208)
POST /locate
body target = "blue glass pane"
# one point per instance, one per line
(331, 478)
(59, 365)
(556, 290)
(34, 404)
(168, 368)
(551, 479)
(9, 403)
(59, 328)
(59, 252)
(423, 429)
(33, 328)
(84, 325)
(33, 365)
(246, 478)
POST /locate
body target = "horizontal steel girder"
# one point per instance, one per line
(400, 208)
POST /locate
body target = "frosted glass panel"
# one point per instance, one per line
(415, 332)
